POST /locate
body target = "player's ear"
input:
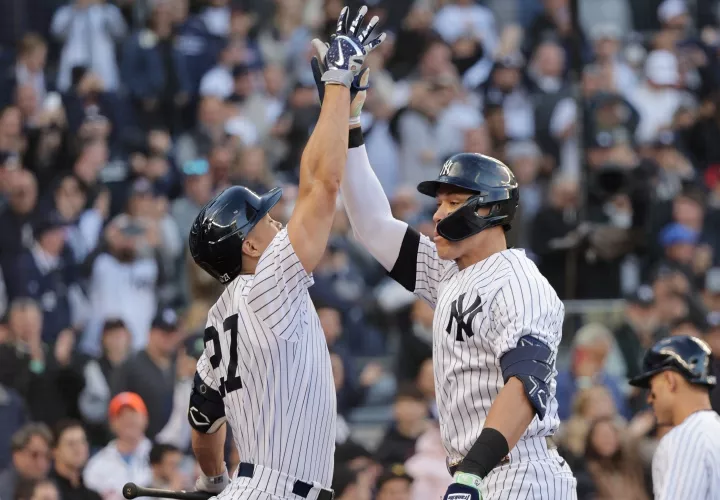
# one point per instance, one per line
(670, 380)
(250, 248)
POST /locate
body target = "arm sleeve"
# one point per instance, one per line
(410, 258)
(278, 294)
(524, 305)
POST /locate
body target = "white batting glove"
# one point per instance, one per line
(213, 484)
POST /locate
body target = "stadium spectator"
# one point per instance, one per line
(177, 430)
(410, 412)
(18, 215)
(345, 484)
(151, 372)
(126, 458)
(13, 414)
(122, 286)
(47, 274)
(89, 30)
(98, 374)
(30, 449)
(613, 463)
(70, 454)
(155, 72)
(591, 346)
(164, 462)
(29, 69)
(394, 484)
(427, 467)
(43, 489)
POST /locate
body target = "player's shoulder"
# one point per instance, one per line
(515, 270)
(702, 428)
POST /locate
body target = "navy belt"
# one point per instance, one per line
(300, 488)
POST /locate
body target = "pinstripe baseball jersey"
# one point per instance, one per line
(266, 354)
(481, 313)
(687, 460)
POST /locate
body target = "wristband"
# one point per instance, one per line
(354, 120)
(468, 480)
(338, 77)
(355, 139)
(487, 452)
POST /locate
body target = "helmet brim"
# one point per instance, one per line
(430, 188)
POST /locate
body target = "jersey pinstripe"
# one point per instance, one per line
(481, 313)
(265, 352)
(686, 463)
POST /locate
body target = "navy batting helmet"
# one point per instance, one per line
(493, 185)
(688, 356)
(222, 225)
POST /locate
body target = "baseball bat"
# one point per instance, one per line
(132, 490)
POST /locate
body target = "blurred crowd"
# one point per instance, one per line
(119, 119)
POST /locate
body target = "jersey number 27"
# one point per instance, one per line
(232, 382)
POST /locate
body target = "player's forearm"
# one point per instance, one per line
(209, 451)
(509, 416)
(511, 412)
(325, 155)
(368, 208)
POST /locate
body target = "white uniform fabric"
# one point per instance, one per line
(273, 367)
(481, 313)
(686, 463)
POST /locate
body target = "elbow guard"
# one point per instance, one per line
(206, 412)
(532, 363)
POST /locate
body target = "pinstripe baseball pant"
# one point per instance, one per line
(533, 472)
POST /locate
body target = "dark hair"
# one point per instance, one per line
(408, 390)
(65, 425)
(159, 450)
(22, 436)
(112, 324)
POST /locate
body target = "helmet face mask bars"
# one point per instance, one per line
(491, 184)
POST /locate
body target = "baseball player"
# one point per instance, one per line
(497, 323)
(686, 463)
(266, 368)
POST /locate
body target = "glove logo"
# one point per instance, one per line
(459, 496)
(341, 56)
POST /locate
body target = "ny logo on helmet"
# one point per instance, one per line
(463, 316)
(446, 168)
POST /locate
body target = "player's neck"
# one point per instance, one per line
(689, 404)
(478, 253)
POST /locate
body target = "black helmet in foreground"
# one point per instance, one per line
(217, 235)
(493, 185)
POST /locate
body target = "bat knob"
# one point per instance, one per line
(130, 491)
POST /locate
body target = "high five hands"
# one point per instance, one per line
(340, 61)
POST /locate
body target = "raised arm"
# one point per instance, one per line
(321, 170)
(409, 257)
(323, 161)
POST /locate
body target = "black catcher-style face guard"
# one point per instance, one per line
(466, 222)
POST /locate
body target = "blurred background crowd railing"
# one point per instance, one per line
(119, 119)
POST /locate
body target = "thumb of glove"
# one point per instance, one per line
(321, 48)
(359, 99)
